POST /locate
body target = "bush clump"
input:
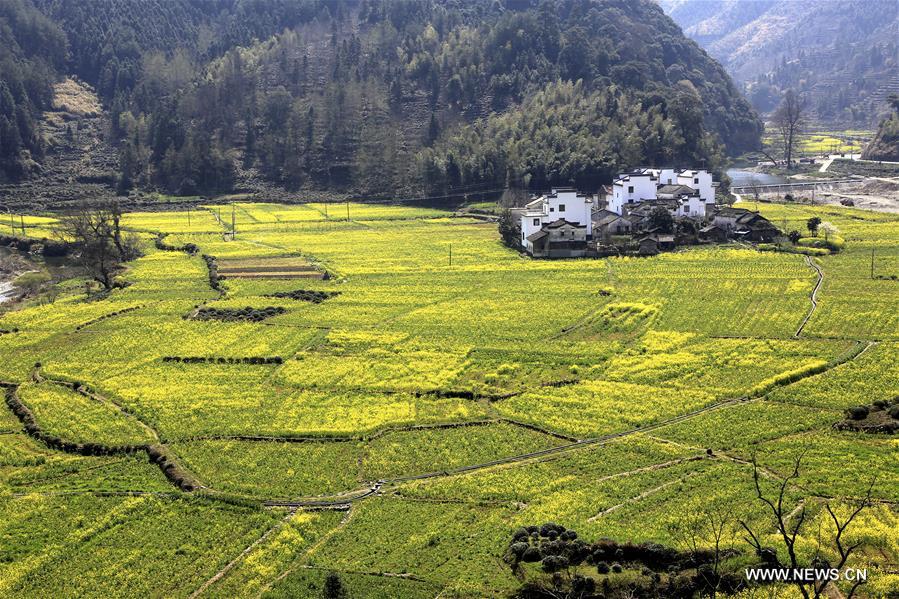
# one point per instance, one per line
(235, 314)
(223, 360)
(306, 295)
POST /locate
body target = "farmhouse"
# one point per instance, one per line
(559, 239)
(557, 224)
(744, 224)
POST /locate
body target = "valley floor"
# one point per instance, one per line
(398, 427)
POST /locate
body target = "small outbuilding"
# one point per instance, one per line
(648, 246)
(712, 233)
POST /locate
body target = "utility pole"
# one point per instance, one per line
(233, 226)
(451, 254)
(872, 261)
(22, 222)
(348, 211)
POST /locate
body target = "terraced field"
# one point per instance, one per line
(398, 420)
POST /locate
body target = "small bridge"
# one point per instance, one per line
(793, 186)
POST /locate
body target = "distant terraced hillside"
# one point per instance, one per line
(842, 53)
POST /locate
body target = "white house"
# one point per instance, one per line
(560, 204)
(701, 181)
(632, 188)
(693, 188)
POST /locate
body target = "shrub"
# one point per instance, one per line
(554, 563)
(517, 549)
(549, 527)
(603, 568)
(894, 412)
(616, 568)
(531, 554)
(857, 412)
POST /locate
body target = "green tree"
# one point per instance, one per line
(812, 225)
(334, 588)
(661, 219)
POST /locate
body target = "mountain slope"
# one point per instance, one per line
(224, 95)
(841, 53)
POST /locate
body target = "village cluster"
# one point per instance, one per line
(644, 212)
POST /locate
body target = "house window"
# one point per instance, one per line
(630, 189)
(561, 207)
(686, 208)
(551, 209)
(696, 180)
(536, 222)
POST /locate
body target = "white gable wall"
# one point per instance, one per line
(694, 207)
(667, 176)
(700, 181)
(566, 204)
(531, 222)
(632, 189)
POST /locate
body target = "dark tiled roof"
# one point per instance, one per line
(561, 223)
(672, 189)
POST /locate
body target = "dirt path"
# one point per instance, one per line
(221, 573)
(315, 546)
(814, 295)
(640, 497)
(601, 440)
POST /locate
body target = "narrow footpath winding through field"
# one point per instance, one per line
(814, 295)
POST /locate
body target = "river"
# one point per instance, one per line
(6, 291)
(6, 287)
(743, 178)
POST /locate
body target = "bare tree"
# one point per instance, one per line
(705, 529)
(789, 521)
(96, 231)
(790, 121)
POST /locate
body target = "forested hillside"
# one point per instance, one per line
(885, 145)
(841, 53)
(374, 96)
(31, 49)
(565, 133)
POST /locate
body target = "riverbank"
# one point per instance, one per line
(880, 195)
